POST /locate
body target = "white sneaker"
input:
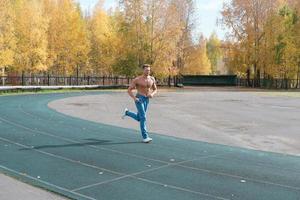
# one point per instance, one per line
(147, 140)
(123, 116)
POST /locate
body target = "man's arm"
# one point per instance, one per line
(131, 88)
(154, 88)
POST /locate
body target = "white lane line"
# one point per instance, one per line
(182, 189)
(142, 172)
(62, 157)
(257, 164)
(88, 165)
(240, 177)
(92, 146)
(153, 182)
(118, 178)
(44, 182)
(76, 142)
(70, 140)
(260, 164)
(115, 136)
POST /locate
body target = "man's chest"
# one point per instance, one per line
(145, 83)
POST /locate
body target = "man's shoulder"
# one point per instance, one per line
(152, 78)
(137, 78)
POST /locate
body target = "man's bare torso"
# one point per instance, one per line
(144, 84)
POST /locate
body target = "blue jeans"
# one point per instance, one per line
(140, 116)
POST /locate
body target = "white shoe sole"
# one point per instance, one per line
(123, 117)
(147, 141)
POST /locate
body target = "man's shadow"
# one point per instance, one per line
(90, 142)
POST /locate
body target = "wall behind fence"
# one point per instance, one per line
(210, 80)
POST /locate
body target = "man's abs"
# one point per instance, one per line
(143, 91)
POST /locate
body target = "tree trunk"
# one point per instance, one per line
(298, 76)
(248, 77)
(258, 78)
(152, 33)
(3, 73)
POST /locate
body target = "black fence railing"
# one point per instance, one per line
(125, 81)
(82, 80)
(269, 83)
(57, 80)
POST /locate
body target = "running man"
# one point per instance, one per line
(146, 88)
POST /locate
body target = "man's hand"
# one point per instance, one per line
(136, 99)
(132, 87)
(150, 95)
(154, 88)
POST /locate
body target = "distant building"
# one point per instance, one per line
(221, 67)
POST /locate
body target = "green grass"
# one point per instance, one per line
(49, 91)
(70, 90)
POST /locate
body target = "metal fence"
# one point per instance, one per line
(56, 80)
(82, 80)
(269, 83)
(125, 81)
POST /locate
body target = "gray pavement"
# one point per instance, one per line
(267, 121)
(12, 189)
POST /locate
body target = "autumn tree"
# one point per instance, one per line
(153, 31)
(286, 46)
(103, 39)
(214, 51)
(31, 36)
(197, 62)
(68, 43)
(7, 33)
(246, 19)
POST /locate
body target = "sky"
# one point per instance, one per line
(206, 14)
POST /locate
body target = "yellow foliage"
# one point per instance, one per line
(7, 36)
(104, 41)
(198, 62)
(31, 27)
(67, 35)
(264, 37)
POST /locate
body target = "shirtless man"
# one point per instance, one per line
(146, 88)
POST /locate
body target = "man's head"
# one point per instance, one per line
(147, 69)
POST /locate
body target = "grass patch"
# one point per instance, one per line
(49, 91)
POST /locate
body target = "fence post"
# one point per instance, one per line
(48, 79)
(22, 78)
(77, 75)
(88, 80)
(174, 80)
(3, 80)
